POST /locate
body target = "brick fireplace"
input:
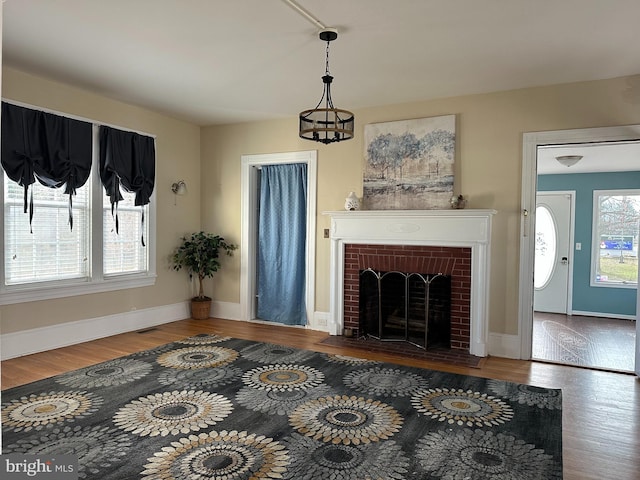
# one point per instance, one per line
(455, 242)
(454, 261)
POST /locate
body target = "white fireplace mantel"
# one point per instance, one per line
(447, 228)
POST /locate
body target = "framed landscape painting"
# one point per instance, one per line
(409, 164)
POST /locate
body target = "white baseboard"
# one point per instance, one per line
(498, 344)
(604, 315)
(232, 311)
(36, 340)
(503, 345)
(226, 310)
(319, 322)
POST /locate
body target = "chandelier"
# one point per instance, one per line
(325, 123)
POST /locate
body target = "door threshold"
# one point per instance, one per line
(584, 367)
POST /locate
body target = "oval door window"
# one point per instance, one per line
(545, 257)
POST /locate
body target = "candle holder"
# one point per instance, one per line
(352, 202)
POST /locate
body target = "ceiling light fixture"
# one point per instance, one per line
(568, 160)
(325, 123)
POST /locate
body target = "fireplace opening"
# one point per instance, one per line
(406, 307)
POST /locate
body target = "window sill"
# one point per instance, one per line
(627, 285)
(24, 294)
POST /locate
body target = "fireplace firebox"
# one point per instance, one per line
(406, 307)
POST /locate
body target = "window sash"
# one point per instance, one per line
(123, 252)
(614, 256)
(53, 251)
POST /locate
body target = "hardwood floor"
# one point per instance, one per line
(592, 342)
(601, 410)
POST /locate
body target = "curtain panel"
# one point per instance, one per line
(127, 160)
(52, 149)
(282, 237)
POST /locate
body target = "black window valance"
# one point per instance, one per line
(127, 159)
(52, 149)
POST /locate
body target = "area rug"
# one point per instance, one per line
(212, 407)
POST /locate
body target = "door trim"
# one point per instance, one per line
(249, 204)
(530, 143)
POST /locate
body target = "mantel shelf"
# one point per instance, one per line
(462, 212)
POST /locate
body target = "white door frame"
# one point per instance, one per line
(249, 176)
(637, 369)
(530, 143)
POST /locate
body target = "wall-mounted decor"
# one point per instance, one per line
(409, 164)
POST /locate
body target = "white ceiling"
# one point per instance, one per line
(227, 61)
(596, 158)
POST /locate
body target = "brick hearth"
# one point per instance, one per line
(454, 261)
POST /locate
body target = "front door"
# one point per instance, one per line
(552, 268)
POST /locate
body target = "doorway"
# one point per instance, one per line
(532, 144)
(250, 168)
(558, 335)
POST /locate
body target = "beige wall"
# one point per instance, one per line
(178, 157)
(488, 171)
(488, 168)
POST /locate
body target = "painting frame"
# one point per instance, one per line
(409, 164)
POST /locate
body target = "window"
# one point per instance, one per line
(545, 256)
(48, 250)
(123, 252)
(56, 260)
(616, 221)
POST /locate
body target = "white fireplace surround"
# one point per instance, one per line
(469, 228)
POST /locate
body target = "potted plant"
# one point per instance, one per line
(199, 254)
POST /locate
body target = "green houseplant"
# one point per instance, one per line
(199, 254)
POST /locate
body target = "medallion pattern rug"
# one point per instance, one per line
(212, 407)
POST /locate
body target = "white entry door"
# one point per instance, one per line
(553, 239)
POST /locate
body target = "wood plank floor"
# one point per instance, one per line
(593, 342)
(601, 410)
